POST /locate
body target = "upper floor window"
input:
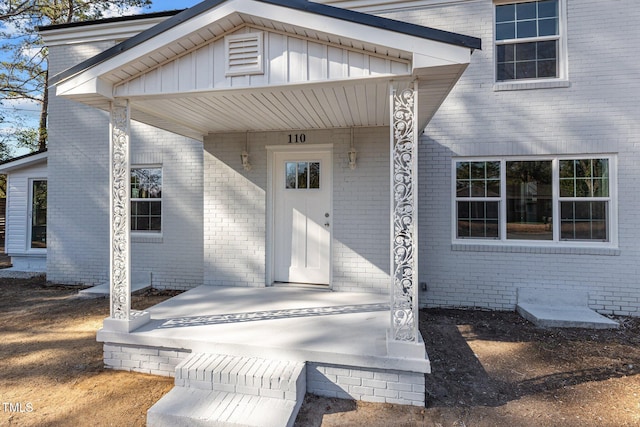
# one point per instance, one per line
(528, 37)
(146, 199)
(562, 199)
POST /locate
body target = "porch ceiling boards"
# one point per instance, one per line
(316, 106)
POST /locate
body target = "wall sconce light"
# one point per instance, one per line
(353, 154)
(244, 158)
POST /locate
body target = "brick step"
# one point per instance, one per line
(193, 407)
(222, 390)
(245, 375)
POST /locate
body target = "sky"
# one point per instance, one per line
(28, 112)
(161, 5)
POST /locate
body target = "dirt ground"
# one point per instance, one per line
(489, 369)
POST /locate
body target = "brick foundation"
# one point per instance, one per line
(369, 385)
(344, 382)
(148, 360)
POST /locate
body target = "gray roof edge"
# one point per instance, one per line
(35, 156)
(304, 5)
(126, 18)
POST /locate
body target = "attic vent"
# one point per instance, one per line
(244, 54)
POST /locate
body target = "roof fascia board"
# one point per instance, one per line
(93, 85)
(440, 52)
(23, 162)
(355, 31)
(379, 6)
(379, 22)
(139, 50)
(459, 56)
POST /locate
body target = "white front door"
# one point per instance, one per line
(302, 216)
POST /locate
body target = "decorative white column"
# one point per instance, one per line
(403, 338)
(122, 318)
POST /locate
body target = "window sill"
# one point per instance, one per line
(568, 250)
(529, 85)
(146, 238)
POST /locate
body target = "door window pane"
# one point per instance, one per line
(291, 175)
(314, 175)
(302, 175)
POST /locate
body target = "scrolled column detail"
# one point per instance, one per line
(404, 301)
(119, 220)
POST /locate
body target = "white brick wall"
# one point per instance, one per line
(148, 360)
(78, 215)
(369, 385)
(596, 114)
(235, 209)
(344, 382)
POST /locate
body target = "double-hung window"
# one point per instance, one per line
(528, 40)
(146, 199)
(561, 199)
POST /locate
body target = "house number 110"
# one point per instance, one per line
(297, 138)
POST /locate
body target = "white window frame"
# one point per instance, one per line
(29, 241)
(562, 80)
(148, 233)
(612, 212)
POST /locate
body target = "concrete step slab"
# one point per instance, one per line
(102, 290)
(183, 407)
(559, 316)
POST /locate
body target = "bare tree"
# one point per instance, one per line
(23, 58)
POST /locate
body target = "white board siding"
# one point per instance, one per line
(288, 59)
(17, 216)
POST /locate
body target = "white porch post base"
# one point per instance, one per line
(136, 319)
(406, 349)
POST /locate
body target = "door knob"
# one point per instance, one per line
(326, 224)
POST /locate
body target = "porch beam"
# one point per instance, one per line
(404, 337)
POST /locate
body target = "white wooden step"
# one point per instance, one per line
(245, 375)
(183, 407)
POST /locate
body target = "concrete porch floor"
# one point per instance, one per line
(340, 328)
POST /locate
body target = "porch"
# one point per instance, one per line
(249, 355)
(332, 328)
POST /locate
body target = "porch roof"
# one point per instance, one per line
(171, 72)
